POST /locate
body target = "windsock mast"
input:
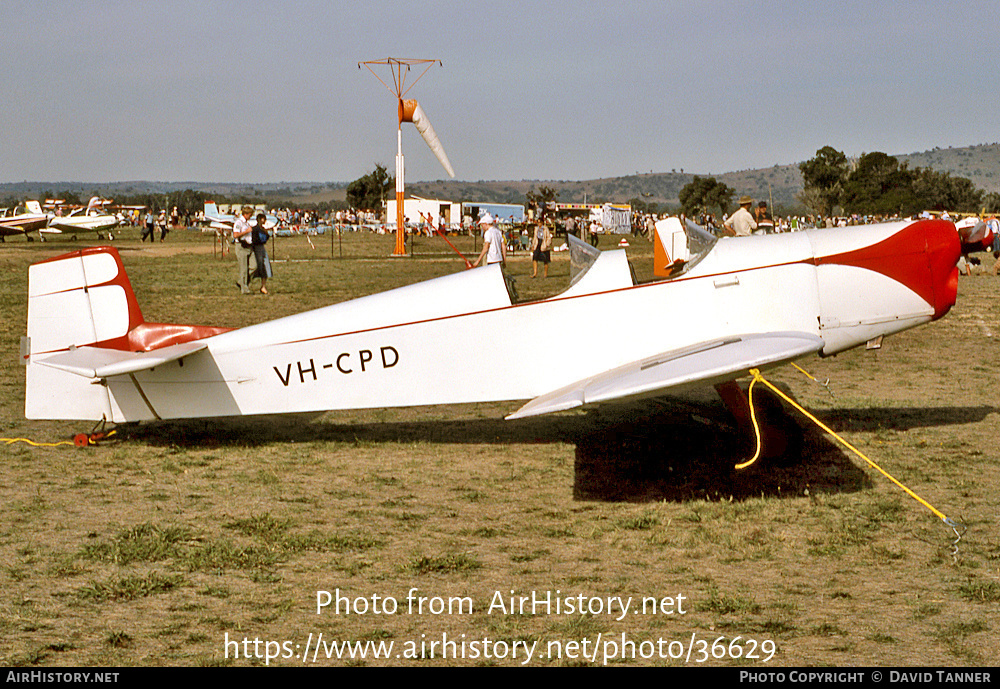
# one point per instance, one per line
(408, 111)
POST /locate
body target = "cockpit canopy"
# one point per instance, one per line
(678, 246)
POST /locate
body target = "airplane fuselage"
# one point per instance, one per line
(459, 339)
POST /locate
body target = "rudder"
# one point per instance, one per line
(74, 300)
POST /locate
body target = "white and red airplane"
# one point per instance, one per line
(723, 307)
(93, 218)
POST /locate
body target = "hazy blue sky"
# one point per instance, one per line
(261, 92)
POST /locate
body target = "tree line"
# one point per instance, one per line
(874, 184)
(187, 201)
(878, 184)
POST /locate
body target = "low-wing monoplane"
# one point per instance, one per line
(722, 307)
(93, 218)
(223, 222)
(22, 220)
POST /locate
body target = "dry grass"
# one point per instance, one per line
(151, 549)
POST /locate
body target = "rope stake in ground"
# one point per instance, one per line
(79, 440)
(825, 384)
(958, 528)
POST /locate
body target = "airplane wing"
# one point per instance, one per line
(706, 363)
(97, 362)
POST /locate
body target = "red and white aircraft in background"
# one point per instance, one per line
(723, 307)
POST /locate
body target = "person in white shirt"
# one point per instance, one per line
(740, 223)
(494, 250)
(243, 248)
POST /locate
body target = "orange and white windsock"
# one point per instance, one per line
(410, 111)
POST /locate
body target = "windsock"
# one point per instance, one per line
(410, 111)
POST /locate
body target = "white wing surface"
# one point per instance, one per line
(704, 364)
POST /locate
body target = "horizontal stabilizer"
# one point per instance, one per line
(706, 363)
(97, 362)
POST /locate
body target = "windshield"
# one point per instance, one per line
(679, 245)
(699, 240)
(581, 256)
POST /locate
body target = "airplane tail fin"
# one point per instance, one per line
(84, 328)
(74, 300)
(33, 206)
(669, 246)
(211, 209)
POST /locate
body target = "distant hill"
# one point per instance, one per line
(321, 191)
(661, 188)
(981, 164)
(782, 183)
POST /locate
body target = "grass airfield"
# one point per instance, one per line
(156, 547)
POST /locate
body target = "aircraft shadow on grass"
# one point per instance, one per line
(672, 448)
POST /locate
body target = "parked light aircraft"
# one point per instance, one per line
(91, 219)
(725, 306)
(224, 222)
(22, 220)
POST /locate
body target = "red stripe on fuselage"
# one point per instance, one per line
(922, 256)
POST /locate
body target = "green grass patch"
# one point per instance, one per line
(445, 564)
(639, 522)
(981, 591)
(129, 588)
(223, 554)
(143, 543)
(726, 605)
(118, 640)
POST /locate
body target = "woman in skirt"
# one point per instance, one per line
(541, 249)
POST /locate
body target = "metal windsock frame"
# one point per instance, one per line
(408, 111)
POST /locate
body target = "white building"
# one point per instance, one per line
(416, 208)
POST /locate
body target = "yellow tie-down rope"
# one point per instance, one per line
(951, 523)
(11, 441)
(79, 440)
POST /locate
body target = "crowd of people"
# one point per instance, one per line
(248, 238)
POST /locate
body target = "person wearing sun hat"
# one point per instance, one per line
(740, 223)
(494, 250)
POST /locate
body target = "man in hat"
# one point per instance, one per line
(494, 250)
(740, 223)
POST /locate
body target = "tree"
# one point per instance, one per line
(187, 201)
(880, 185)
(941, 191)
(704, 193)
(540, 199)
(823, 178)
(640, 206)
(368, 192)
